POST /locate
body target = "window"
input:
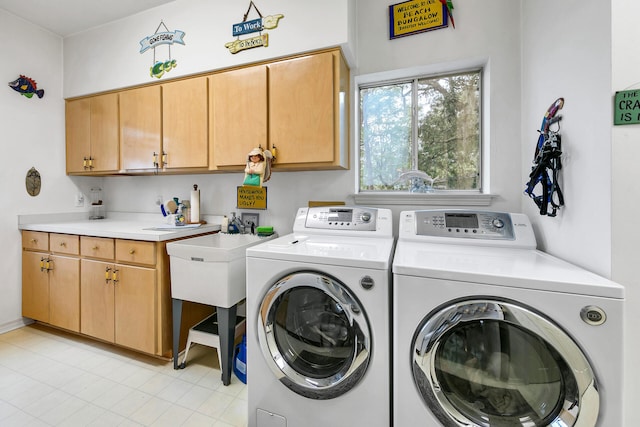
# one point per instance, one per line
(421, 135)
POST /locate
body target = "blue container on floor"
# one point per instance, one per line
(240, 361)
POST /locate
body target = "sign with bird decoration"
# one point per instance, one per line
(417, 16)
(26, 86)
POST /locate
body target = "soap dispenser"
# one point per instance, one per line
(180, 219)
(233, 227)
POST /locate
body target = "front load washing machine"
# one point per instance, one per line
(489, 331)
(318, 313)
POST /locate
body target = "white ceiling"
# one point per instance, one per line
(65, 17)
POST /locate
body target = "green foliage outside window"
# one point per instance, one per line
(421, 135)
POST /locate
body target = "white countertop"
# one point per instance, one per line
(121, 225)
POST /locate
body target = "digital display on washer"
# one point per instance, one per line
(340, 215)
(461, 220)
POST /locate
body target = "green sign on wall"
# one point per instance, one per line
(627, 107)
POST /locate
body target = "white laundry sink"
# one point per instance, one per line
(211, 269)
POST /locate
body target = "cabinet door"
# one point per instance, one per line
(105, 147)
(78, 134)
(140, 127)
(238, 117)
(184, 123)
(96, 300)
(302, 108)
(35, 287)
(64, 293)
(135, 313)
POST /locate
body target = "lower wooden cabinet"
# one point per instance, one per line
(118, 304)
(51, 281)
(114, 290)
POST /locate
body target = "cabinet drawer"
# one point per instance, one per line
(97, 247)
(64, 243)
(135, 252)
(35, 240)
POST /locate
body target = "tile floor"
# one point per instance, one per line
(51, 378)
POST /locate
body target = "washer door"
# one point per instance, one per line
(495, 363)
(314, 335)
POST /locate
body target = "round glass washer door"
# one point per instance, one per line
(496, 363)
(314, 335)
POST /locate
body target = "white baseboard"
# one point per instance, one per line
(18, 323)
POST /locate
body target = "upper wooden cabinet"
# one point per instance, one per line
(185, 141)
(306, 97)
(164, 127)
(92, 135)
(140, 128)
(238, 116)
(297, 106)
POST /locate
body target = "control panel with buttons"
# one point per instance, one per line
(342, 218)
(469, 224)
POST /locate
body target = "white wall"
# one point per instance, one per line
(306, 26)
(570, 58)
(32, 136)
(109, 57)
(487, 33)
(625, 202)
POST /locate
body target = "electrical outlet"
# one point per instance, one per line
(79, 200)
(250, 217)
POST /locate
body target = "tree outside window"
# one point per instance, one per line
(421, 135)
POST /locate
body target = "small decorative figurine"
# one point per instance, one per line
(258, 170)
(26, 86)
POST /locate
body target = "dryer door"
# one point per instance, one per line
(314, 335)
(495, 363)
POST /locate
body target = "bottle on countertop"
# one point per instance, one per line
(224, 226)
(180, 220)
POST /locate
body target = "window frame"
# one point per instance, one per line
(479, 197)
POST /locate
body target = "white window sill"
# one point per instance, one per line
(425, 199)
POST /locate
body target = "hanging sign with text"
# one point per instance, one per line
(252, 197)
(627, 107)
(252, 26)
(416, 16)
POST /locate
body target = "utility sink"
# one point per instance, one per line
(211, 269)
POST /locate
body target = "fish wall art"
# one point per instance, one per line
(26, 86)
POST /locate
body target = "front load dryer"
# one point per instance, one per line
(489, 331)
(318, 314)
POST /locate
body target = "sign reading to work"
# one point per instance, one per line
(627, 107)
(416, 16)
(250, 197)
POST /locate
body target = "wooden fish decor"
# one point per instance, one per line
(26, 86)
